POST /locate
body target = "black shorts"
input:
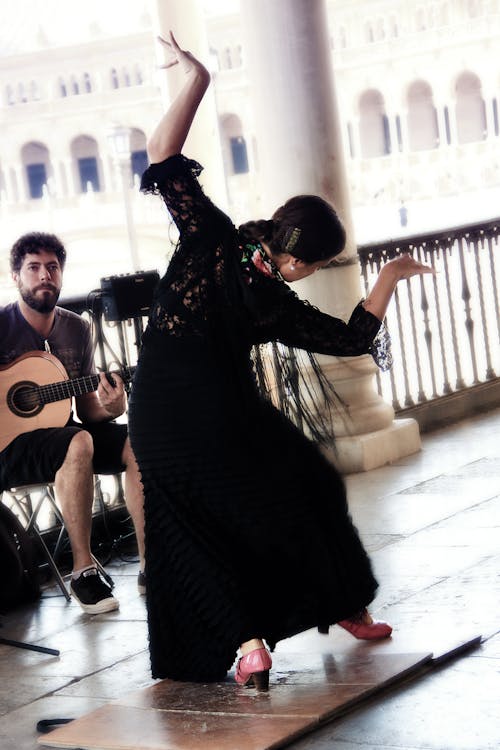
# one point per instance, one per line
(35, 457)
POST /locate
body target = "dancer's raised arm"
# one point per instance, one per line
(172, 130)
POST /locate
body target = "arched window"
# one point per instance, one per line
(126, 77)
(422, 118)
(470, 109)
(393, 25)
(87, 83)
(114, 79)
(239, 154)
(369, 35)
(234, 145)
(138, 154)
(380, 34)
(238, 60)
(9, 95)
(228, 62)
(63, 91)
(373, 125)
(475, 8)
(85, 153)
(444, 14)
(421, 19)
(35, 159)
(138, 75)
(75, 89)
(34, 91)
(21, 93)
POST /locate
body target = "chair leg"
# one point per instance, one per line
(23, 499)
(52, 565)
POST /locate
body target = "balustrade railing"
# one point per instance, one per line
(445, 328)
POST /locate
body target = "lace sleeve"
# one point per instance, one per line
(176, 180)
(304, 326)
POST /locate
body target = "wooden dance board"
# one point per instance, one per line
(306, 691)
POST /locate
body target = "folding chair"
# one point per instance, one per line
(29, 500)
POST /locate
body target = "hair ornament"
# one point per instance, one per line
(291, 239)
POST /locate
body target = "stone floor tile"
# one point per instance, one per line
(310, 700)
(373, 542)
(18, 728)
(456, 483)
(317, 742)
(395, 587)
(14, 694)
(85, 648)
(113, 682)
(441, 712)
(491, 646)
(487, 538)
(440, 562)
(404, 514)
(48, 615)
(359, 665)
(117, 727)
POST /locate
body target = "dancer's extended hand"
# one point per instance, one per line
(405, 266)
(178, 56)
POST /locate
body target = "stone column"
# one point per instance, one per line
(12, 190)
(301, 151)
(393, 133)
(70, 169)
(356, 137)
(451, 104)
(21, 182)
(441, 121)
(489, 115)
(185, 19)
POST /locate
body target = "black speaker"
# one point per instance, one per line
(128, 295)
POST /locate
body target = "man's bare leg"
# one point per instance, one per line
(74, 485)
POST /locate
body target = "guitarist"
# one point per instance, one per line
(70, 455)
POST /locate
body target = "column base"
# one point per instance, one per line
(373, 449)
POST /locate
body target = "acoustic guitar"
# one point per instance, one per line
(36, 392)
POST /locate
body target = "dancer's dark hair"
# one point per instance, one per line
(306, 227)
(35, 242)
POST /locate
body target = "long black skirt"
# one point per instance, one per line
(248, 533)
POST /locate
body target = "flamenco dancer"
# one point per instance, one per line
(248, 535)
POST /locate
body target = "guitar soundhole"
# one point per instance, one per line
(23, 399)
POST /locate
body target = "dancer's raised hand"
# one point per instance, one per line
(178, 56)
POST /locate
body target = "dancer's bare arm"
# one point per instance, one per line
(400, 268)
(172, 130)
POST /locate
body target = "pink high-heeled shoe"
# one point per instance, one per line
(253, 669)
(359, 628)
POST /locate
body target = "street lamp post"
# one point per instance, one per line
(119, 140)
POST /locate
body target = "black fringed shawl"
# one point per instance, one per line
(221, 288)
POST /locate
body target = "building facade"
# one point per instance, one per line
(418, 85)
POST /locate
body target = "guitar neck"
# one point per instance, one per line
(76, 387)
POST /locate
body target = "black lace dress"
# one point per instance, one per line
(247, 527)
